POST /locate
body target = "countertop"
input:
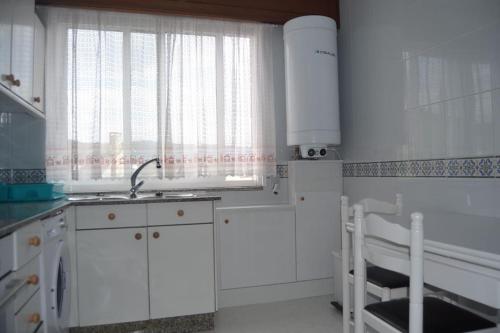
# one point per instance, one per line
(18, 214)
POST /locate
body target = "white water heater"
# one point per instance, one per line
(312, 96)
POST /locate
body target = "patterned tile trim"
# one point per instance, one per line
(22, 176)
(473, 167)
(282, 171)
(182, 324)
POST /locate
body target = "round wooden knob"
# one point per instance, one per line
(180, 213)
(226, 221)
(156, 235)
(111, 216)
(34, 241)
(138, 236)
(34, 318)
(36, 99)
(302, 198)
(32, 279)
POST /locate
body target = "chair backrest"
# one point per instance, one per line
(374, 241)
(376, 206)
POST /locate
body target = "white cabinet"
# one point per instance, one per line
(315, 188)
(318, 233)
(257, 245)
(181, 270)
(129, 272)
(39, 66)
(112, 276)
(22, 48)
(22, 58)
(5, 40)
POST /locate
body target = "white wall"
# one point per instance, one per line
(419, 78)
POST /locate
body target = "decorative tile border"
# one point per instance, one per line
(182, 324)
(22, 176)
(282, 170)
(473, 167)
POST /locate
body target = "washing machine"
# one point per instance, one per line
(56, 274)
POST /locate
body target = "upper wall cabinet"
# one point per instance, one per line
(23, 36)
(5, 40)
(39, 66)
(17, 57)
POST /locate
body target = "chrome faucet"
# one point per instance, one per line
(135, 187)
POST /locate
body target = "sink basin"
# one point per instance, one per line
(111, 197)
(107, 197)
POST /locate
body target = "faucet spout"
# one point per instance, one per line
(135, 187)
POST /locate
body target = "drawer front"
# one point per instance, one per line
(110, 216)
(29, 317)
(7, 257)
(27, 244)
(30, 274)
(180, 213)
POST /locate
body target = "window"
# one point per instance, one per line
(196, 93)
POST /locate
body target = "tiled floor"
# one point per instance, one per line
(309, 315)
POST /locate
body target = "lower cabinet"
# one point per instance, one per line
(112, 276)
(133, 274)
(181, 270)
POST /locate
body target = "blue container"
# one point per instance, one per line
(35, 192)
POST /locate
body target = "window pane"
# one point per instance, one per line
(192, 89)
(95, 101)
(237, 92)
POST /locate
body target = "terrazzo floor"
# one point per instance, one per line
(308, 315)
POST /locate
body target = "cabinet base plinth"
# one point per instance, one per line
(182, 324)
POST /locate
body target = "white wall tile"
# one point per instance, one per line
(420, 78)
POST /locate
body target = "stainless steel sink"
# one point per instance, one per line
(111, 197)
(106, 197)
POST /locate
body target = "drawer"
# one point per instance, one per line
(29, 317)
(180, 213)
(30, 274)
(27, 244)
(7, 257)
(110, 216)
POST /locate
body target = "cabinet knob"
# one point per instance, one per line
(138, 236)
(156, 235)
(111, 216)
(36, 99)
(34, 318)
(34, 241)
(226, 221)
(16, 83)
(32, 279)
(302, 198)
(180, 213)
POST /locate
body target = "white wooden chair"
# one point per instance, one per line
(416, 314)
(381, 283)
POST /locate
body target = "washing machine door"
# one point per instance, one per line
(59, 296)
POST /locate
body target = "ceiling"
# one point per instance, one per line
(268, 11)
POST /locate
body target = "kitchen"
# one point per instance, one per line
(167, 165)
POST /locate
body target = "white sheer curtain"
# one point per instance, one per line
(124, 88)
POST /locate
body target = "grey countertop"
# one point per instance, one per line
(18, 214)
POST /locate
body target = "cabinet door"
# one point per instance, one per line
(318, 233)
(5, 40)
(112, 276)
(22, 47)
(39, 66)
(257, 247)
(181, 270)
